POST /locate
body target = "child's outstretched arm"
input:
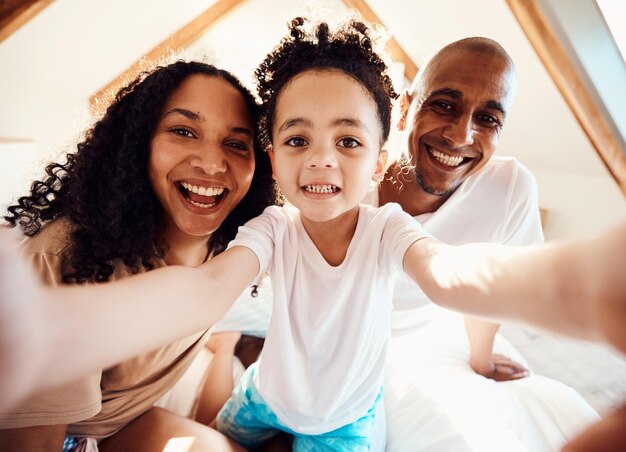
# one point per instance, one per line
(576, 288)
(99, 325)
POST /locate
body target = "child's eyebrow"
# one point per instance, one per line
(352, 122)
(295, 122)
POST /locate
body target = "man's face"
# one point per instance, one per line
(456, 117)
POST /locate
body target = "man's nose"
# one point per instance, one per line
(459, 131)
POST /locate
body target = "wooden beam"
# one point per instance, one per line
(398, 53)
(182, 38)
(564, 74)
(19, 15)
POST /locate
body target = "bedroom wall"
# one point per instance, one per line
(56, 61)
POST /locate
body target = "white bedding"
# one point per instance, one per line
(434, 401)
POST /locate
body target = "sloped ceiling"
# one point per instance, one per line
(100, 40)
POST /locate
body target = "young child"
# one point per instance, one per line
(319, 377)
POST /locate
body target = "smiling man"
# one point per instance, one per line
(450, 181)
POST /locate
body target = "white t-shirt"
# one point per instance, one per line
(498, 204)
(323, 360)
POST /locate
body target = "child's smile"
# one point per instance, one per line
(326, 143)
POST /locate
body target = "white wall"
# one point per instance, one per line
(578, 205)
(52, 65)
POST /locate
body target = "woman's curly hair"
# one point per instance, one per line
(104, 188)
(348, 49)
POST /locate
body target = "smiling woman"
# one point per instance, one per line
(201, 160)
(166, 176)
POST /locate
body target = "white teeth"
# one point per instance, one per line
(203, 191)
(321, 188)
(199, 204)
(447, 160)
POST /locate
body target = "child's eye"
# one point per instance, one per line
(183, 132)
(348, 142)
(296, 142)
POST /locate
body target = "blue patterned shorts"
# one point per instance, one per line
(247, 419)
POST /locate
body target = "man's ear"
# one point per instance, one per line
(270, 153)
(381, 166)
(405, 103)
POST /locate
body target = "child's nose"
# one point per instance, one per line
(322, 157)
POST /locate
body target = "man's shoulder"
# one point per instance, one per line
(505, 165)
(503, 174)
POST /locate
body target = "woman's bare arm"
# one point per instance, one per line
(100, 325)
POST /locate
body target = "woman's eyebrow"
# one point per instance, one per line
(186, 113)
(242, 131)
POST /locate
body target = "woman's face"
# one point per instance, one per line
(201, 155)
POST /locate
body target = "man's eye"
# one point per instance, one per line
(348, 143)
(296, 142)
(183, 132)
(443, 105)
(488, 120)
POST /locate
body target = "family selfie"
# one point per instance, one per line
(306, 226)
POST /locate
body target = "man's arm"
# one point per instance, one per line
(519, 225)
(481, 336)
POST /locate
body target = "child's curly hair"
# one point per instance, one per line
(348, 49)
(104, 189)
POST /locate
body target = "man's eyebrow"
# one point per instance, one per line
(294, 122)
(186, 113)
(456, 94)
(453, 93)
(495, 105)
(352, 122)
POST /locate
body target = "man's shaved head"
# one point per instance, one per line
(472, 45)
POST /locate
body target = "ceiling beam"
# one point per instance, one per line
(559, 65)
(182, 38)
(397, 52)
(15, 14)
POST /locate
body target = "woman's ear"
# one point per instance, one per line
(381, 166)
(405, 103)
(270, 153)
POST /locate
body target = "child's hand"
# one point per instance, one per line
(503, 368)
(21, 325)
(223, 342)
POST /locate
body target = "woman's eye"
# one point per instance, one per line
(296, 142)
(348, 143)
(183, 132)
(239, 146)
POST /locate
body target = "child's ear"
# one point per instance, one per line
(270, 153)
(381, 166)
(405, 103)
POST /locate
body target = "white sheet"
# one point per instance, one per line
(436, 402)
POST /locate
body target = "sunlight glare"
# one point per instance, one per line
(180, 444)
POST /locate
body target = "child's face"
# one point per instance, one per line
(326, 141)
(201, 157)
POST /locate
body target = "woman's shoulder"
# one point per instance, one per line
(52, 239)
